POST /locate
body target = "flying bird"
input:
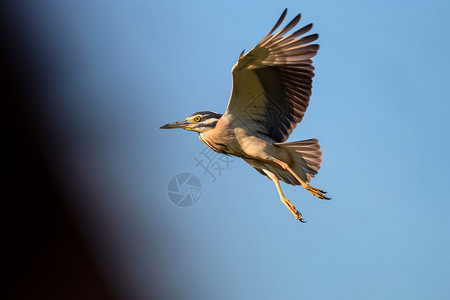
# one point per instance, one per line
(270, 94)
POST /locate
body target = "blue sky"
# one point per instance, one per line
(379, 108)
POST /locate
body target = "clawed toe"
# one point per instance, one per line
(299, 217)
(317, 192)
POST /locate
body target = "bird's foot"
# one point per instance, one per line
(299, 217)
(297, 214)
(317, 192)
(293, 210)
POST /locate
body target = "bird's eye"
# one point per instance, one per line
(196, 119)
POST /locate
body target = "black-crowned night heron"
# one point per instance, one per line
(271, 90)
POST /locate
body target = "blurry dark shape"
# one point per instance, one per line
(44, 256)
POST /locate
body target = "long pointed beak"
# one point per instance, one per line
(178, 124)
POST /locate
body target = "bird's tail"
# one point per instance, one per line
(307, 158)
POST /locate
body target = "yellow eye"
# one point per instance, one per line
(196, 119)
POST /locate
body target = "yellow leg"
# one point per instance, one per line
(283, 199)
(314, 191)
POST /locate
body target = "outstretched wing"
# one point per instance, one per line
(272, 82)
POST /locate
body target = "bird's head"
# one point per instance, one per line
(200, 122)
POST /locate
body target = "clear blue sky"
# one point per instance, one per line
(379, 109)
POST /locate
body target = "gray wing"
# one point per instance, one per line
(272, 82)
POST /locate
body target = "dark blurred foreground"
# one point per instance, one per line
(44, 256)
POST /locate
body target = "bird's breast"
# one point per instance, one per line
(217, 142)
